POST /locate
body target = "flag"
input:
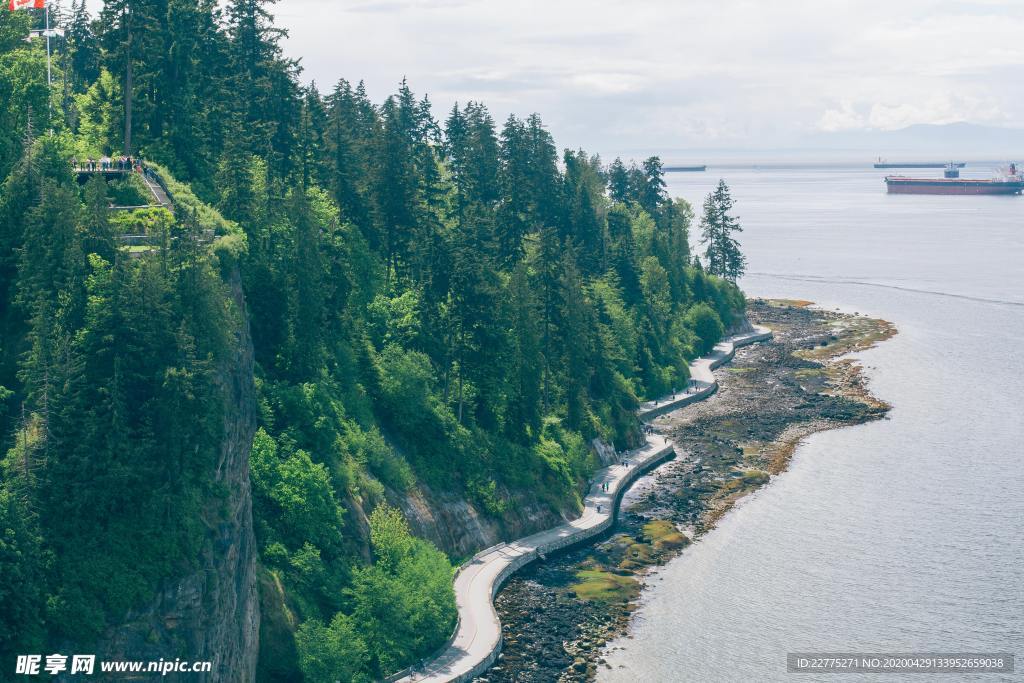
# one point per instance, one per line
(26, 4)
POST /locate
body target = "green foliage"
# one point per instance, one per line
(706, 325)
(23, 91)
(404, 603)
(722, 251)
(21, 561)
(123, 411)
(129, 191)
(207, 219)
(395, 320)
(403, 607)
(99, 123)
(407, 389)
(156, 222)
(295, 495)
(336, 652)
(435, 306)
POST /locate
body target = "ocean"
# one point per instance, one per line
(900, 535)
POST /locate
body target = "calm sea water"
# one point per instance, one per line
(901, 535)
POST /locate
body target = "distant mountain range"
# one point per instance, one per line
(954, 140)
(924, 142)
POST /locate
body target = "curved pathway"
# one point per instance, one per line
(477, 639)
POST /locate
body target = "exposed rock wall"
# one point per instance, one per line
(453, 524)
(213, 613)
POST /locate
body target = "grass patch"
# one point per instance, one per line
(663, 535)
(658, 538)
(785, 303)
(597, 584)
(747, 479)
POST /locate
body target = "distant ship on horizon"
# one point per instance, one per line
(882, 163)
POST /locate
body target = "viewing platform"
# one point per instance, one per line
(116, 168)
(86, 173)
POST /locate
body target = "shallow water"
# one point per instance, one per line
(902, 535)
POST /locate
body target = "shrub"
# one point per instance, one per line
(706, 324)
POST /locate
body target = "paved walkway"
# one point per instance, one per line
(477, 639)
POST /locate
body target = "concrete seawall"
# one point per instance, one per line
(476, 642)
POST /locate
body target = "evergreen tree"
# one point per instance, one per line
(722, 250)
(650, 186)
(585, 213)
(82, 46)
(618, 182)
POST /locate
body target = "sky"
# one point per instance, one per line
(673, 75)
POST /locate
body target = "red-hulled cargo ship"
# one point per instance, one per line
(1011, 183)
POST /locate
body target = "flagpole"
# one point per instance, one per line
(49, 78)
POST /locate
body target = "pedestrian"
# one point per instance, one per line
(74, 163)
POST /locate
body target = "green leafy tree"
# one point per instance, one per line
(335, 652)
(706, 324)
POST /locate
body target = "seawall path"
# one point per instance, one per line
(476, 642)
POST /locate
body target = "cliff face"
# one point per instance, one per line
(453, 524)
(213, 613)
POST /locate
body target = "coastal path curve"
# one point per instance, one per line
(476, 642)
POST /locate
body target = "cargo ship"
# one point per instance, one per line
(916, 164)
(684, 169)
(1011, 182)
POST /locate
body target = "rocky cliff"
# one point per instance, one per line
(455, 525)
(213, 613)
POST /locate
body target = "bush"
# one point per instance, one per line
(336, 652)
(706, 324)
(404, 604)
(295, 495)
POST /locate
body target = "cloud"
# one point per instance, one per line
(938, 108)
(843, 118)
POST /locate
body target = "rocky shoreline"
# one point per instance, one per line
(557, 616)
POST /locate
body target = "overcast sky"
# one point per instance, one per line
(645, 75)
